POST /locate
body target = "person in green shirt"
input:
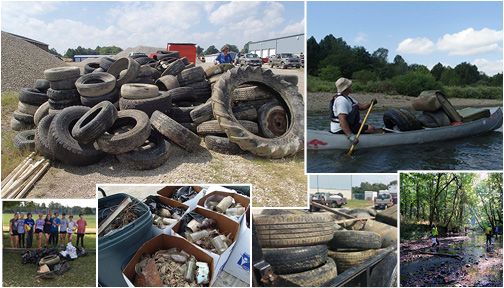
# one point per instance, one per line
(434, 236)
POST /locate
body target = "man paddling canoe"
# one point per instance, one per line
(345, 115)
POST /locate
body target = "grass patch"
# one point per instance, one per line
(357, 203)
(89, 240)
(315, 84)
(15, 274)
(90, 219)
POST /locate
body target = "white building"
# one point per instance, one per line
(370, 195)
(288, 44)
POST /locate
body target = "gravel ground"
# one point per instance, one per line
(23, 62)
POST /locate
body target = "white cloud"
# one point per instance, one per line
(360, 38)
(233, 11)
(470, 41)
(420, 45)
(294, 28)
(489, 67)
(30, 8)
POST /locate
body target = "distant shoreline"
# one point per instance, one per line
(318, 102)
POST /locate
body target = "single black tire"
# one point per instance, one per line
(41, 139)
(277, 230)
(62, 95)
(61, 73)
(355, 240)
(272, 119)
(105, 63)
(191, 75)
(50, 260)
(17, 125)
(23, 117)
(414, 123)
(191, 126)
(152, 154)
(131, 66)
(95, 122)
(295, 259)
(245, 113)
(180, 114)
(182, 94)
(25, 140)
(201, 90)
(174, 68)
(218, 69)
(117, 141)
(41, 85)
(162, 103)
(142, 60)
(95, 84)
(27, 108)
(32, 96)
(348, 259)
(90, 67)
(222, 145)
(174, 131)
(252, 93)
(146, 71)
(64, 84)
(65, 148)
(186, 61)
(394, 118)
(438, 118)
(213, 127)
(112, 96)
(318, 277)
(289, 143)
(42, 111)
(139, 91)
(62, 104)
(202, 113)
(167, 82)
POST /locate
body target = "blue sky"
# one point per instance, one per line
(348, 181)
(421, 32)
(127, 24)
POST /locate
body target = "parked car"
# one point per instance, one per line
(250, 59)
(384, 200)
(285, 60)
(328, 199)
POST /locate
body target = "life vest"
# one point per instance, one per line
(353, 118)
(435, 232)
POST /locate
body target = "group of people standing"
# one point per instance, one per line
(51, 228)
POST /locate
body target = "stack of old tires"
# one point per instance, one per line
(295, 245)
(62, 93)
(436, 109)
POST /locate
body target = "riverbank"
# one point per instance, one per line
(318, 102)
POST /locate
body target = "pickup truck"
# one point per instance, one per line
(285, 60)
(328, 199)
(250, 59)
(383, 201)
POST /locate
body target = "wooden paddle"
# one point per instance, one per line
(349, 153)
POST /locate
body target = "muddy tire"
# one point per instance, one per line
(182, 94)
(404, 121)
(63, 95)
(295, 259)
(163, 103)
(65, 148)
(252, 93)
(174, 68)
(135, 91)
(64, 84)
(41, 139)
(32, 96)
(42, 111)
(131, 66)
(61, 73)
(41, 84)
(180, 114)
(17, 125)
(277, 230)
(218, 69)
(348, 259)
(27, 108)
(129, 131)
(25, 140)
(112, 97)
(222, 145)
(201, 90)
(355, 240)
(212, 127)
(318, 277)
(174, 131)
(191, 75)
(95, 84)
(23, 117)
(202, 113)
(272, 120)
(167, 82)
(152, 154)
(95, 122)
(289, 143)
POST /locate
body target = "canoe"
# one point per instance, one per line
(325, 140)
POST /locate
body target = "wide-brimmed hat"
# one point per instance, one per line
(342, 84)
(224, 48)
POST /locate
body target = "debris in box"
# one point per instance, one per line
(184, 194)
(225, 205)
(128, 215)
(172, 267)
(162, 214)
(203, 232)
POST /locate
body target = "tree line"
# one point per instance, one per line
(452, 201)
(358, 192)
(332, 58)
(105, 50)
(11, 207)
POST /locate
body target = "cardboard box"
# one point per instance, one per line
(164, 242)
(170, 202)
(244, 201)
(168, 191)
(239, 262)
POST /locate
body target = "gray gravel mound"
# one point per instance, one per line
(23, 62)
(142, 49)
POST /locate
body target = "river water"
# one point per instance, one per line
(480, 152)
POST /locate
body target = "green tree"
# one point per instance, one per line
(199, 50)
(437, 70)
(54, 52)
(449, 77)
(313, 50)
(364, 76)
(414, 82)
(330, 73)
(233, 48)
(211, 50)
(467, 73)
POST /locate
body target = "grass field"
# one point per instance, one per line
(89, 240)
(355, 203)
(90, 219)
(15, 274)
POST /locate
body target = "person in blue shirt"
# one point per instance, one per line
(29, 224)
(21, 231)
(224, 56)
(55, 229)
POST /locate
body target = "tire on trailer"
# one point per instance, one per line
(355, 240)
(167, 82)
(65, 148)
(162, 102)
(289, 143)
(272, 120)
(95, 84)
(202, 113)
(41, 85)
(222, 145)
(27, 108)
(348, 259)
(131, 66)
(152, 154)
(213, 127)
(42, 111)
(295, 259)
(174, 131)
(117, 141)
(32, 96)
(25, 140)
(318, 277)
(95, 122)
(61, 73)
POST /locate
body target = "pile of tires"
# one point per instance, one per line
(62, 92)
(436, 110)
(295, 245)
(401, 119)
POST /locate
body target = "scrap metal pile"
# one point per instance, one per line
(136, 108)
(116, 217)
(225, 205)
(172, 267)
(203, 232)
(163, 215)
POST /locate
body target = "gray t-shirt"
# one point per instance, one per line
(63, 225)
(20, 226)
